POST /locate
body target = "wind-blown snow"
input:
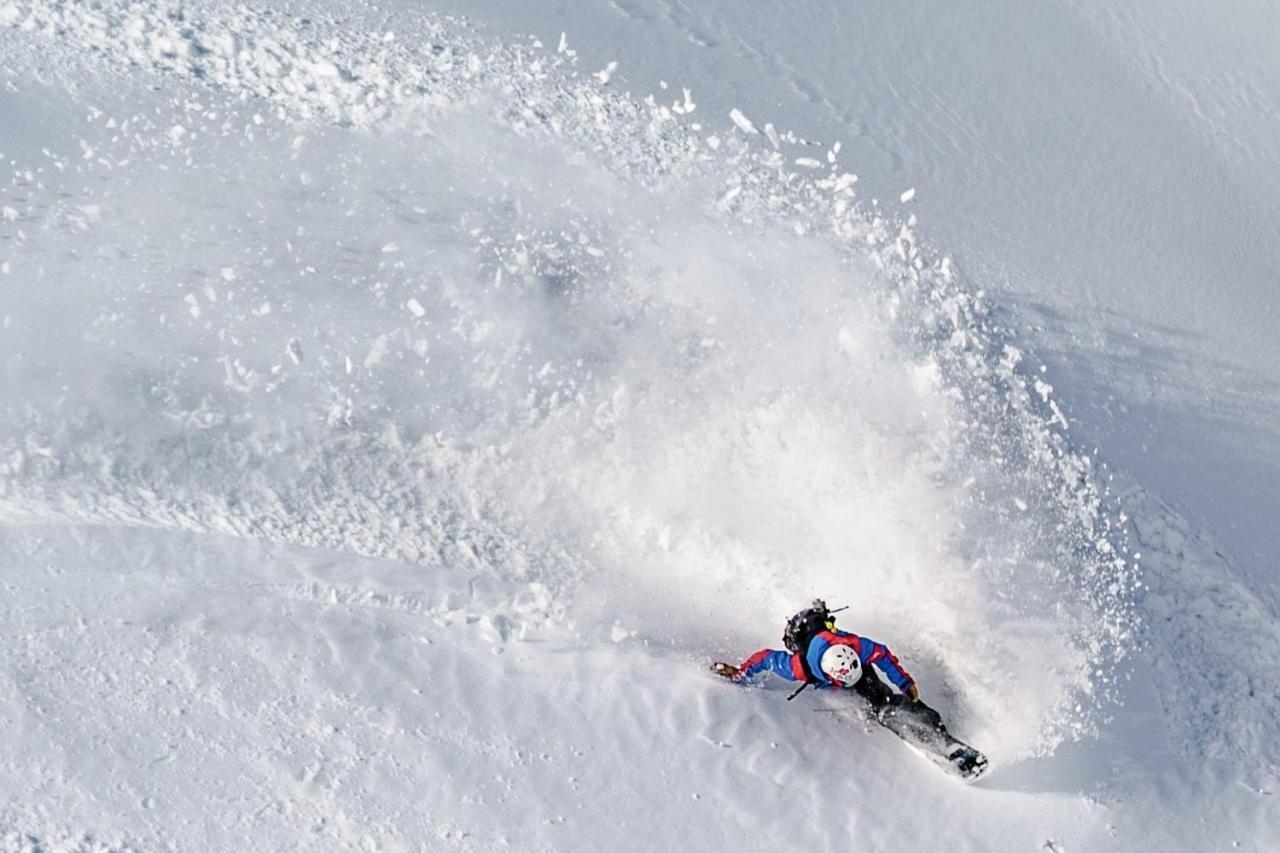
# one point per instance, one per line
(528, 360)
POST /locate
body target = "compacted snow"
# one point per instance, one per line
(399, 413)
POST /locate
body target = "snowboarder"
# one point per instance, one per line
(819, 654)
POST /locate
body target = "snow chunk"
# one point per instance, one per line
(415, 307)
(688, 106)
(845, 181)
(605, 75)
(744, 124)
(908, 195)
(376, 351)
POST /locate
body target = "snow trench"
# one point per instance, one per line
(656, 377)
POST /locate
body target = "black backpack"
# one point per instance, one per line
(801, 629)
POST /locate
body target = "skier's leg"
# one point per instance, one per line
(913, 720)
(875, 691)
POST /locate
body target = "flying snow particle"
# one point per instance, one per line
(908, 195)
(845, 181)
(744, 124)
(376, 351)
(607, 73)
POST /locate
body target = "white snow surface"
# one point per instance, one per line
(399, 413)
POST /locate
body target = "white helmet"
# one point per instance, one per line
(841, 663)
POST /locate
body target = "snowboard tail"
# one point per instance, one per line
(921, 728)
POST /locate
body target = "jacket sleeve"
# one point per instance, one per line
(771, 660)
(879, 656)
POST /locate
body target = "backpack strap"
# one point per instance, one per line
(799, 689)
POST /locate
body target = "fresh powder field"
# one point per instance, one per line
(402, 404)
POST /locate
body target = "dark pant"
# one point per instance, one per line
(897, 713)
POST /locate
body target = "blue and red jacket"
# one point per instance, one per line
(789, 667)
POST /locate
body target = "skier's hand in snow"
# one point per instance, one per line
(727, 670)
(913, 693)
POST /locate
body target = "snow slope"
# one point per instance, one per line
(396, 418)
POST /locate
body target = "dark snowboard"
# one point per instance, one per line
(922, 729)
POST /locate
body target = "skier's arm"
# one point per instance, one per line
(771, 660)
(884, 660)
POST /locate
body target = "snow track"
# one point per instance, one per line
(580, 367)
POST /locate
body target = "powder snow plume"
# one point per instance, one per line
(659, 377)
